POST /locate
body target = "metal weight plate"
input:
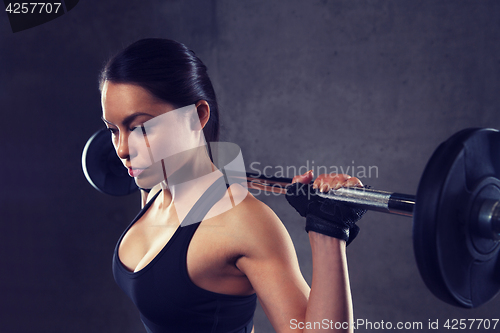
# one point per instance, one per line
(457, 264)
(102, 167)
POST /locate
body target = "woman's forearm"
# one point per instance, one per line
(330, 302)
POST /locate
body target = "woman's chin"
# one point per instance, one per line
(147, 185)
(148, 179)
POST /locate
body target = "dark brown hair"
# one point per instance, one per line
(170, 72)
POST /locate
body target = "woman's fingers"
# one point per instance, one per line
(330, 181)
(326, 182)
(353, 182)
(304, 178)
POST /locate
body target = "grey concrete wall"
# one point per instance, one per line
(300, 83)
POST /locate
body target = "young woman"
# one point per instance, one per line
(201, 252)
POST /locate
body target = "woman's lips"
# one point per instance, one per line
(135, 172)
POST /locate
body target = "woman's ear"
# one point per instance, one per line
(203, 110)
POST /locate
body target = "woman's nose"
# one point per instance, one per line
(121, 146)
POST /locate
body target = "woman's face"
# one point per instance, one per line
(146, 131)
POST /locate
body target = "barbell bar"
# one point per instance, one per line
(365, 197)
(456, 211)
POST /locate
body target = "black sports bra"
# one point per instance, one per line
(167, 299)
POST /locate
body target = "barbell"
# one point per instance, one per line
(456, 211)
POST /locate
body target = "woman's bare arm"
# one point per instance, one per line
(271, 265)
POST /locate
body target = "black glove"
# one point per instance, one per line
(325, 216)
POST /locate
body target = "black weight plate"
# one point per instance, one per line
(461, 170)
(102, 167)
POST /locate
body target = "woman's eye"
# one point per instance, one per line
(112, 130)
(138, 128)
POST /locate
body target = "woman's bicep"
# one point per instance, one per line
(270, 263)
(282, 296)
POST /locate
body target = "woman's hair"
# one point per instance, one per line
(170, 72)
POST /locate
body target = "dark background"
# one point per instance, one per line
(340, 83)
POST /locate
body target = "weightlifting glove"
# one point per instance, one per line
(325, 216)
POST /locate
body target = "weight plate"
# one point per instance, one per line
(102, 167)
(457, 264)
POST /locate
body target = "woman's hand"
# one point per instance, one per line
(328, 181)
(325, 216)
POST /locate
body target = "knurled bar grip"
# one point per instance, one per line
(382, 201)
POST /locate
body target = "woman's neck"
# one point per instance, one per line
(184, 186)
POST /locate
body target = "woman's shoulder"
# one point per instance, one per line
(252, 224)
(249, 211)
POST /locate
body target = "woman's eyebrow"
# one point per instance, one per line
(107, 122)
(129, 119)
